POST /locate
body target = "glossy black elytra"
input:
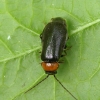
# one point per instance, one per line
(53, 38)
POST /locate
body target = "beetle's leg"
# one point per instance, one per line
(61, 61)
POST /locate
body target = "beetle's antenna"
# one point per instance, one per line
(37, 83)
(65, 88)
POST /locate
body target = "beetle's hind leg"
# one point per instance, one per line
(64, 51)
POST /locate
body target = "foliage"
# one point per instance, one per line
(21, 22)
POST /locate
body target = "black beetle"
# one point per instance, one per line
(53, 39)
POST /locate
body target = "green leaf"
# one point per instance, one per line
(21, 22)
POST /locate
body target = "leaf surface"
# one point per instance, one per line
(21, 23)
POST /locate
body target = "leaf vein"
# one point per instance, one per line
(95, 72)
(85, 26)
(23, 26)
(6, 46)
(21, 54)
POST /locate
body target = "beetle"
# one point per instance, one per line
(53, 38)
